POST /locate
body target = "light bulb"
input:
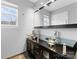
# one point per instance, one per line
(53, 0)
(44, 5)
(41, 3)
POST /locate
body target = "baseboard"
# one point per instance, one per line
(16, 55)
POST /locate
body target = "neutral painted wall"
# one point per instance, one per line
(13, 39)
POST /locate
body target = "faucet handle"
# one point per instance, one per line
(56, 34)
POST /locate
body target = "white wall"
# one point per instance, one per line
(13, 39)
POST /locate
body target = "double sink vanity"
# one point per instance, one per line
(39, 48)
(42, 50)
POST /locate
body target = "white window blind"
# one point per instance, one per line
(9, 13)
(46, 20)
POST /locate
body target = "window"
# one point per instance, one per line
(9, 14)
(46, 20)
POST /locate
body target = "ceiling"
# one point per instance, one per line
(33, 1)
(57, 4)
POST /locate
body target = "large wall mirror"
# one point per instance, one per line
(41, 18)
(44, 19)
(38, 19)
(59, 18)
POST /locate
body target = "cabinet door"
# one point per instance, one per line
(45, 54)
(28, 45)
(56, 56)
(51, 56)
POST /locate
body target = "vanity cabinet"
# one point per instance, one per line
(38, 50)
(34, 50)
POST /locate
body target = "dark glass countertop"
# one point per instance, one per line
(56, 49)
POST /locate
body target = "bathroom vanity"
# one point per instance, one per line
(55, 52)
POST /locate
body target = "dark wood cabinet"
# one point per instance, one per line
(38, 49)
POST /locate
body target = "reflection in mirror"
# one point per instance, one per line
(59, 18)
(45, 20)
(42, 18)
(37, 19)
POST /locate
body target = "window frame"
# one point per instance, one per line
(9, 4)
(46, 16)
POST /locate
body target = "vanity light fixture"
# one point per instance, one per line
(52, 0)
(44, 5)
